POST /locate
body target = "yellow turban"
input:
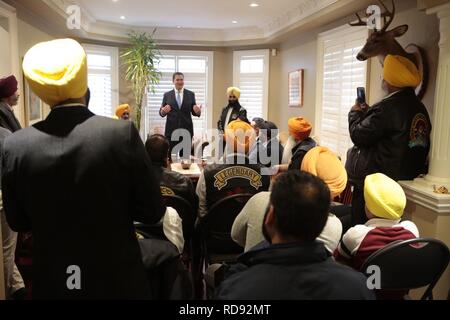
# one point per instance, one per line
(299, 128)
(384, 197)
(56, 70)
(240, 135)
(400, 72)
(323, 163)
(234, 91)
(120, 110)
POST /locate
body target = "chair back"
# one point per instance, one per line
(410, 264)
(216, 226)
(185, 211)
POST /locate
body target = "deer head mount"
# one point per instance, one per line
(383, 42)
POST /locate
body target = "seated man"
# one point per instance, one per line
(294, 265)
(171, 182)
(385, 202)
(321, 162)
(235, 175)
(299, 130)
(268, 150)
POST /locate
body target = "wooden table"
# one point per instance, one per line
(192, 173)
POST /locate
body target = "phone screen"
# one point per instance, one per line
(361, 93)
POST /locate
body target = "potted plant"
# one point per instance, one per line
(140, 60)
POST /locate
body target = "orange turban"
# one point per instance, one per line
(299, 128)
(401, 72)
(323, 163)
(122, 109)
(240, 135)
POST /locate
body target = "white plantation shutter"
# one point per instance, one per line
(103, 79)
(197, 78)
(339, 74)
(251, 74)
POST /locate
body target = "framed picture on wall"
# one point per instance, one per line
(34, 107)
(296, 88)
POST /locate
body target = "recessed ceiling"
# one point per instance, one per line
(209, 14)
(187, 22)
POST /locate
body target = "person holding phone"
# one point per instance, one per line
(391, 137)
(178, 105)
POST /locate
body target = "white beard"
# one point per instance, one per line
(287, 154)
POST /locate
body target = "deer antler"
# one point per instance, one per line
(387, 14)
(359, 23)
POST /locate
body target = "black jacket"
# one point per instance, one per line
(393, 136)
(292, 272)
(7, 118)
(238, 112)
(167, 276)
(299, 152)
(179, 117)
(175, 183)
(78, 181)
(235, 176)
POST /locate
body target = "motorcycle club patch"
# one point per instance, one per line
(224, 175)
(165, 191)
(419, 135)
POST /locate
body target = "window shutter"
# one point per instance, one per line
(102, 79)
(341, 74)
(251, 71)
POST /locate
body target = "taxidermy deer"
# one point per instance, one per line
(382, 42)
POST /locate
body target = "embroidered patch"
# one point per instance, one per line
(419, 135)
(165, 191)
(224, 175)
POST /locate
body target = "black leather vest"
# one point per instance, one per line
(223, 180)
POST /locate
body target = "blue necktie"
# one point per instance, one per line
(179, 99)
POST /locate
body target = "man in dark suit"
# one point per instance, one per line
(9, 97)
(178, 105)
(78, 181)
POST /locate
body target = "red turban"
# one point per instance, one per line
(8, 86)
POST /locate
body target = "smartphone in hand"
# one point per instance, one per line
(361, 94)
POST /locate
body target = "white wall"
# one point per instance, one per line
(5, 53)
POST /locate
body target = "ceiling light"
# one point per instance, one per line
(254, 5)
(115, 0)
(178, 27)
(122, 18)
(234, 21)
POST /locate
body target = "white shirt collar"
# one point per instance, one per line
(382, 223)
(181, 91)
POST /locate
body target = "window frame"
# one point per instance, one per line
(114, 54)
(237, 57)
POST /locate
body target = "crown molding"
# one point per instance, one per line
(96, 29)
(305, 9)
(51, 16)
